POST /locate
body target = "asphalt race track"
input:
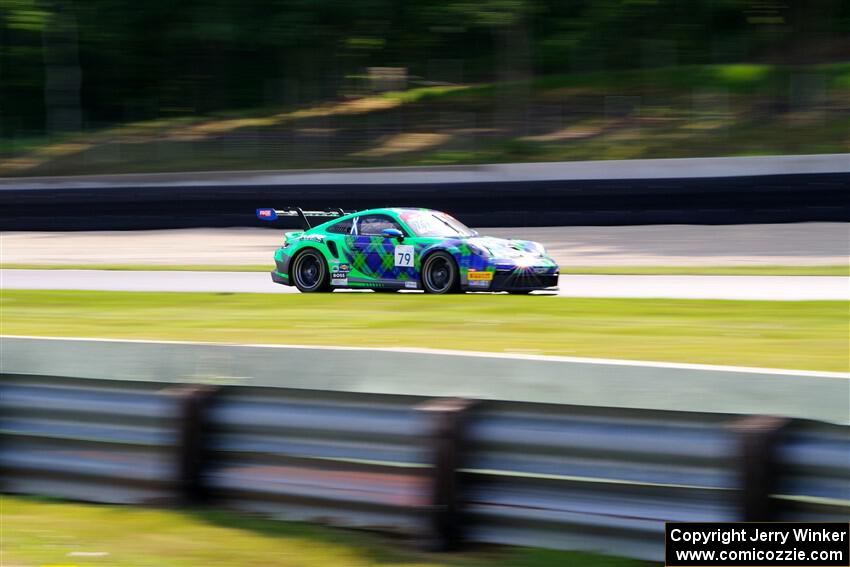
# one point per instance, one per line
(673, 287)
(657, 245)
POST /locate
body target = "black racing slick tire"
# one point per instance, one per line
(440, 274)
(309, 272)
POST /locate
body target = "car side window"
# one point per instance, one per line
(341, 227)
(373, 225)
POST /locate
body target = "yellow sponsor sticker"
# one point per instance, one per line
(480, 276)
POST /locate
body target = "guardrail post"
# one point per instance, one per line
(444, 523)
(193, 403)
(757, 439)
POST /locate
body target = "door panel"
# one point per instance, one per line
(374, 255)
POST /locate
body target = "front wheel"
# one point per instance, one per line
(440, 274)
(310, 272)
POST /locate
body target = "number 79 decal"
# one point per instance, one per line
(404, 256)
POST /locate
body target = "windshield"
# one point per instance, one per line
(431, 223)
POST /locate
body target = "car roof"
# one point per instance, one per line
(381, 210)
(395, 210)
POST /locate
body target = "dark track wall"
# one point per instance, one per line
(714, 200)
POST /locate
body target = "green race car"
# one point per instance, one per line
(404, 248)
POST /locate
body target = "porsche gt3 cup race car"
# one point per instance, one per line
(404, 248)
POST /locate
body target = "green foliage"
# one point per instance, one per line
(25, 15)
(160, 58)
(683, 111)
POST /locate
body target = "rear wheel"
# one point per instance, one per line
(440, 274)
(310, 272)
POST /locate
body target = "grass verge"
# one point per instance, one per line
(39, 532)
(827, 270)
(810, 335)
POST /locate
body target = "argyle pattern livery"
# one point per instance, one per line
(370, 261)
(374, 257)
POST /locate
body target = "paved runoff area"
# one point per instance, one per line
(799, 244)
(796, 244)
(674, 287)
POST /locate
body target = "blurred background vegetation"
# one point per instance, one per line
(100, 86)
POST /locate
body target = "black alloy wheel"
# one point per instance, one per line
(310, 272)
(440, 274)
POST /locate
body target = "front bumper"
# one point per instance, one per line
(520, 279)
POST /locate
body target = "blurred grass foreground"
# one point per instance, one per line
(52, 533)
(87, 88)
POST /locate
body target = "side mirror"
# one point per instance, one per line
(393, 233)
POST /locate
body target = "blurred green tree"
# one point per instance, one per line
(66, 64)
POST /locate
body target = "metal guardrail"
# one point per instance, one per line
(663, 191)
(101, 441)
(556, 476)
(814, 479)
(593, 479)
(355, 461)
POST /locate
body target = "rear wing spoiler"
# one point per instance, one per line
(274, 214)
